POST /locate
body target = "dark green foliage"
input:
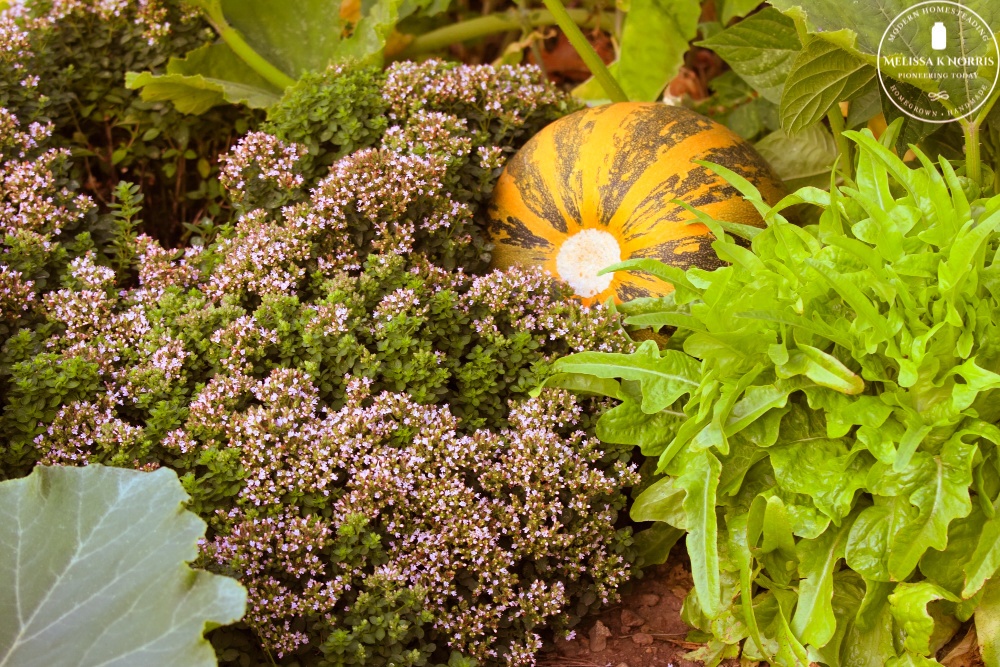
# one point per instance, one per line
(41, 384)
(125, 208)
(331, 114)
(80, 53)
(345, 296)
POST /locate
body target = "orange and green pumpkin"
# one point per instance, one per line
(596, 187)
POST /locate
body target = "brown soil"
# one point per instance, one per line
(644, 630)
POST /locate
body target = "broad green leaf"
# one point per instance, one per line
(627, 424)
(865, 106)
(871, 645)
(583, 384)
(871, 536)
(654, 543)
(908, 604)
(369, 36)
(802, 159)
(940, 491)
(911, 130)
(948, 568)
(662, 501)
(984, 560)
(93, 571)
(205, 77)
(296, 37)
(760, 49)
(814, 622)
(663, 377)
(811, 464)
(654, 40)
(772, 611)
(700, 482)
(821, 76)
(285, 39)
(848, 591)
(858, 26)
(910, 659)
(988, 624)
(734, 9)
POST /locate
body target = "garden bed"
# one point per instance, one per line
(466, 334)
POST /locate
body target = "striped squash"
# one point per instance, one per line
(595, 188)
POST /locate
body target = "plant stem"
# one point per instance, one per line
(490, 25)
(843, 146)
(258, 63)
(586, 51)
(973, 167)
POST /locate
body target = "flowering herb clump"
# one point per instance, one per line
(331, 113)
(345, 395)
(43, 219)
(64, 62)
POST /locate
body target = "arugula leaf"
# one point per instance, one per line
(664, 378)
(837, 411)
(627, 424)
(988, 624)
(814, 622)
(939, 487)
(662, 501)
(654, 543)
(699, 483)
(908, 604)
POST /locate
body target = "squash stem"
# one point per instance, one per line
(973, 165)
(492, 24)
(258, 63)
(845, 160)
(586, 51)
